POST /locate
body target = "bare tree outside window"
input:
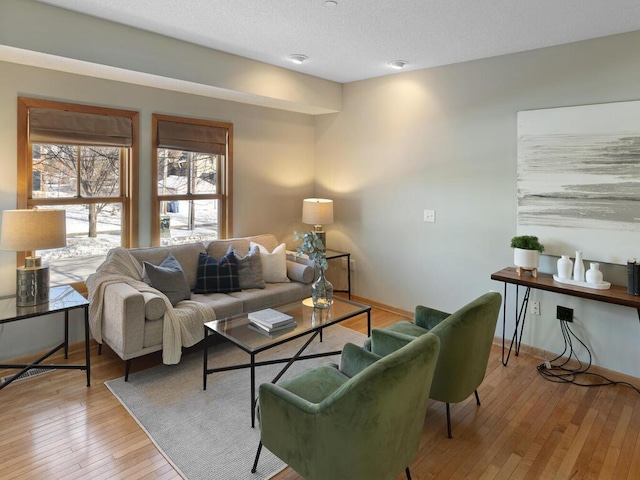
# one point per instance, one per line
(73, 171)
(188, 185)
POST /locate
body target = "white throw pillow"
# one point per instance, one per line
(274, 264)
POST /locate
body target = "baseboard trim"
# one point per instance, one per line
(383, 306)
(547, 355)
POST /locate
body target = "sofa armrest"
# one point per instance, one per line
(300, 272)
(123, 319)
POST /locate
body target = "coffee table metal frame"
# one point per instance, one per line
(310, 321)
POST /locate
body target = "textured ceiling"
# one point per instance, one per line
(355, 39)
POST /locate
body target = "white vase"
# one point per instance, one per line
(565, 267)
(594, 275)
(578, 268)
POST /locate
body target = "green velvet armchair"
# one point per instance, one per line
(466, 337)
(361, 420)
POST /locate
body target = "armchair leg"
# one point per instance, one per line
(448, 421)
(255, 462)
(99, 349)
(408, 473)
(477, 397)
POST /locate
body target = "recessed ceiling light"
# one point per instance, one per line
(397, 64)
(330, 4)
(298, 58)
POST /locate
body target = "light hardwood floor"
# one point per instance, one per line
(53, 427)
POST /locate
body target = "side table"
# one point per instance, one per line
(62, 300)
(333, 254)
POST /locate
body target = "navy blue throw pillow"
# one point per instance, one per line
(217, 276)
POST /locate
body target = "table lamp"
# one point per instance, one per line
(318, 212)
(28, 231)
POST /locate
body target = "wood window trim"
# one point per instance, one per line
(226, 184)
(130, 175)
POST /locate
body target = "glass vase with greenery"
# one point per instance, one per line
(313, 247)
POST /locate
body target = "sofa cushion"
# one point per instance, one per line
(273, 294)
(169, 278)
(249, 268)
(219, 248)
(225, 305)
(217, 276)
(186, 254)
(274, 264)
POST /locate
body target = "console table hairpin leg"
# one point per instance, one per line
(520, 317)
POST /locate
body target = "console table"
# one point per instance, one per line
(62, 300)
(616, 295)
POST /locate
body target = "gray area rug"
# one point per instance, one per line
(208, 434)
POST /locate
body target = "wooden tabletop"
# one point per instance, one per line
(616, 294)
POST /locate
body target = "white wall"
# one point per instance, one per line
(445, 139)
(273, 166)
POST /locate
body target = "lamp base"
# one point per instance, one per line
(32, 286)
(322, 235)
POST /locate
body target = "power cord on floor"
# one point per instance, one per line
(562, 373)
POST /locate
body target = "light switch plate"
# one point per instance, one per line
(430, 216)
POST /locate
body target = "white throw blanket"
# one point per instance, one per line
(182, 326)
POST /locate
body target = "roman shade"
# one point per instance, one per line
(48, 125)
(192, 137)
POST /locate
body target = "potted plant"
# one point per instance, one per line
(526, 253)
(313, 247)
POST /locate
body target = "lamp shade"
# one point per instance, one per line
(317, 211)
(30, 230)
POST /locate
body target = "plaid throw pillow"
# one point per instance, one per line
(217, 276)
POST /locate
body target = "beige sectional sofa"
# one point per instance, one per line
(132, 320)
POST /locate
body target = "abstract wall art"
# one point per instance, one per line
(579, 179)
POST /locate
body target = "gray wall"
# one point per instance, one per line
(273, 166)
(445, 139)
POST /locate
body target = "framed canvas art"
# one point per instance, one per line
(579, 180)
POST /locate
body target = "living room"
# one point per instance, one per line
(384, 149)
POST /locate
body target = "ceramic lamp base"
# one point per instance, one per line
(32, 286)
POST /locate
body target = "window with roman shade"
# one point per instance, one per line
(192, 172)
(82, 159)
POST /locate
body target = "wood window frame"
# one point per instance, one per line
(129, 193)
(224, 196)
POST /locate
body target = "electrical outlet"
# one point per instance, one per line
(535, 308)
(352, 265)
(564, 314)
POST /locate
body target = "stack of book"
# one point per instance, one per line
(270, 321)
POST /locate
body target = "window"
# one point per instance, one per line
(82, 159)
(192, 172)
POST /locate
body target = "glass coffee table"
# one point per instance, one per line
(309, 321)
